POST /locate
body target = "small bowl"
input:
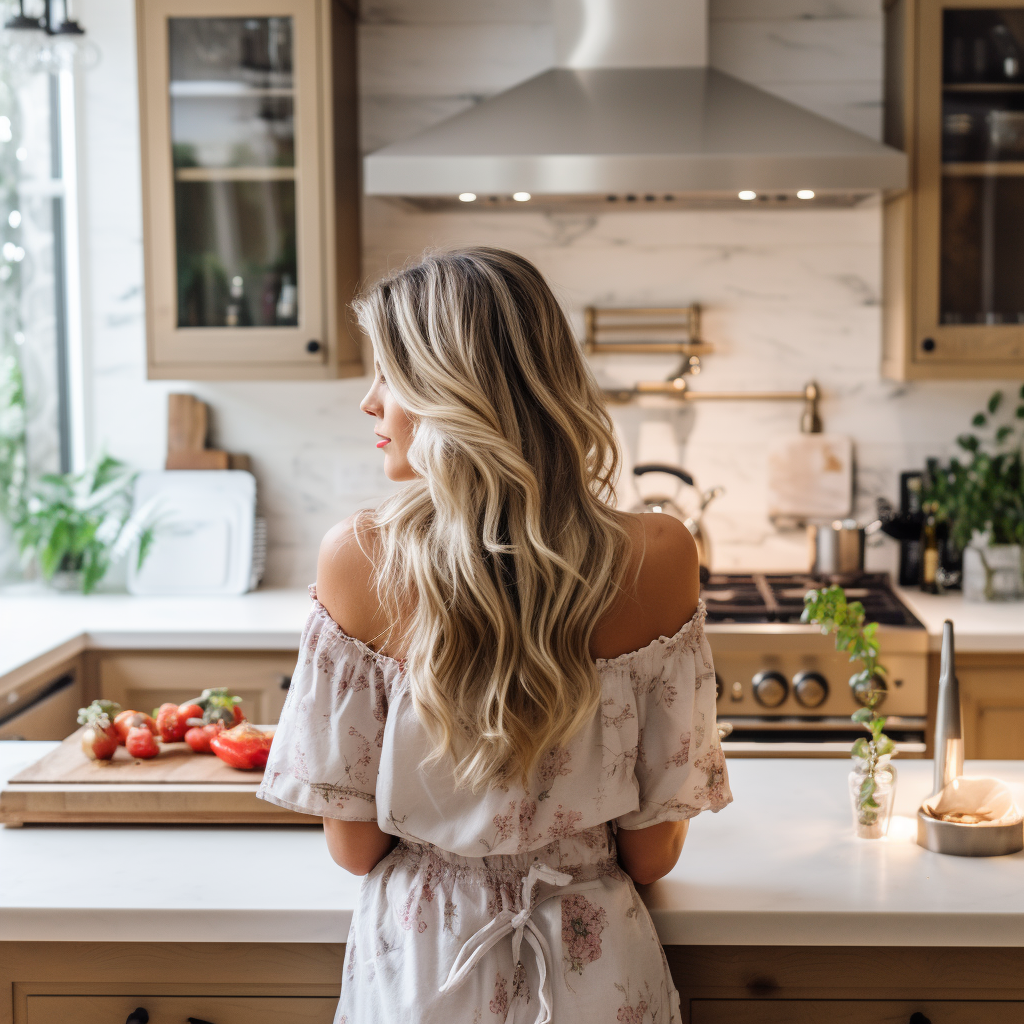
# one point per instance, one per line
(962, 840)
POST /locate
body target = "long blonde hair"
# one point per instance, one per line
(507, 545)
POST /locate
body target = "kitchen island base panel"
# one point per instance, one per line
(260, 983)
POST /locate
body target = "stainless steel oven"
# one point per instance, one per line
(783, 688)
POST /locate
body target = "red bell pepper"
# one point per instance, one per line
(243, 747)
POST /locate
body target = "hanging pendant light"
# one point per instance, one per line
(33, 44)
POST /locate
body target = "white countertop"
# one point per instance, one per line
(778, 866)
(978, 626)
(40, 628)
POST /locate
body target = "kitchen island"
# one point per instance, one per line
(773, 900)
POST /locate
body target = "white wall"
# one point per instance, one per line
(789, 296)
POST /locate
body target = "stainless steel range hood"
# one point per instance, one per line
(599, 126)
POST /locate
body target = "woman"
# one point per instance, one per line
(504, 707)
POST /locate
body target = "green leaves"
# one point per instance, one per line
(831, 610)
(994, 402)
(82, 522)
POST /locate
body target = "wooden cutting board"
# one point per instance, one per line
(176, 787)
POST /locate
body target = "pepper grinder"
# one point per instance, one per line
(949, 725)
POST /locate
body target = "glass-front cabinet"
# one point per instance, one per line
(250, 187)
(954, 246)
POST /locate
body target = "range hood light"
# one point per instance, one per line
(805, 193)
(470, 197)
(521, 197)
(747, 194)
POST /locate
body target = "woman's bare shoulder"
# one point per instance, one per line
(344, 577)
(660, 587)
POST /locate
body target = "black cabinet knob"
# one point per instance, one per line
(286, 681)
(140, 1015)
(198, 1020)
(918, 1018)
(313, 346)
(928, 344)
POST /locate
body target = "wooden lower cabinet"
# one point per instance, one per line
(220, 983)
(175, 1009)
(992, 697)
(144, 680)
(280, 983)
(853, 1011)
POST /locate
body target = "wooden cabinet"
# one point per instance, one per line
(144, 680)
(224, 983)
(953, 264)
(250, 188)
(42, 1009)
(853, 1011)
(992, 698)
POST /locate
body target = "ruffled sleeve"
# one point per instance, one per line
(327, 747)
(680, 767)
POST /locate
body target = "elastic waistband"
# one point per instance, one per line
(590, 852)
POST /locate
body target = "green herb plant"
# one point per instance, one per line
(830, 610)
(983, 491)
(83, 522)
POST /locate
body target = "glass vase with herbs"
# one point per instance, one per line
(980, 496)
(873, 779)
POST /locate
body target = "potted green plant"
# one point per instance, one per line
(77, 525)
(873, 779)
(981, 498)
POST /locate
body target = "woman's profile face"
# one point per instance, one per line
(394, 427)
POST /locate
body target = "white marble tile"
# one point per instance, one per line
(455, 12)
(451, 60)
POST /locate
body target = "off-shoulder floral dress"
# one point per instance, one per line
(507, 905)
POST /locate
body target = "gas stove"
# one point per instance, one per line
(782, 686)
(776, 597)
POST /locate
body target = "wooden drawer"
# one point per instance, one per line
(145, 680)
(66, 1009)
(853, 1011)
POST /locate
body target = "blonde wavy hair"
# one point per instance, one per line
(507, 546)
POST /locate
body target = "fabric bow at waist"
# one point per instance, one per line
(518, 925)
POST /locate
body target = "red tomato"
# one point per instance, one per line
(141, 743)
(188, 711)
(169, 723)
(199, 736)
(98, 743)
(239, 717)
(243, 747)
(133, 720)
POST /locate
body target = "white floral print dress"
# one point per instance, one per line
(508, 905)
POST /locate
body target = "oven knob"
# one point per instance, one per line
(861, 691)
(770, 688)
(810, 689)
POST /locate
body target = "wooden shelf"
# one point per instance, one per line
(234, 174)
(185, 89)
(991, 168)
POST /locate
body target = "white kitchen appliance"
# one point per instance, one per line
(205, 533)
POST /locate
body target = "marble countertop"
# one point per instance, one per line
(978, 626)
(780, 865)
(40, 628)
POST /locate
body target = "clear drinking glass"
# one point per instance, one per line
(873, 822)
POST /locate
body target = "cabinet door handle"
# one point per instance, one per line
(140, 1015)
(918, 1018)
(313, 346)
(286, 681)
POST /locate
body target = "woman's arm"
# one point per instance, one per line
(358, 846)
(647, 854)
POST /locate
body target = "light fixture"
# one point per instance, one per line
(467, 197)
(39, 44)
(747, 194)
(805, 193)
(521, 197)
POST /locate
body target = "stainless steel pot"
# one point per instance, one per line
(838, 547)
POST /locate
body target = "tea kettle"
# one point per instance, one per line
(669, 505)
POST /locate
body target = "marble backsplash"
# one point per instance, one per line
(788, 296)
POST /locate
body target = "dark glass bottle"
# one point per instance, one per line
(930, 552)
